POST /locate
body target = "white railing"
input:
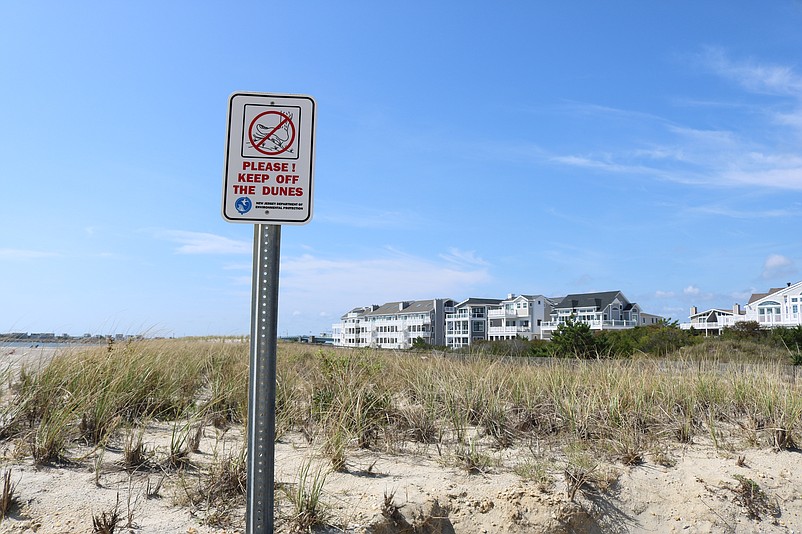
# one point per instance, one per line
(768, 321)
(509, 330)
(595, 324)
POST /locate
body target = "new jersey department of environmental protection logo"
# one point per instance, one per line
(243, 205)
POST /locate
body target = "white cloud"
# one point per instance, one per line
(203, 243)
(754, 76)
(463, 257)
(783, 178)
(664, 294)
(311, 283)
(778, 265)
(686, 154)
(691, 290)
(21, 254)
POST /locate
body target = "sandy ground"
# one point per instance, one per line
(691, 488)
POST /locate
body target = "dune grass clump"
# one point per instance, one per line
(308, 509)
(9, 500)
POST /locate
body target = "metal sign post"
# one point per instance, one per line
(268, 178)
(262, 383)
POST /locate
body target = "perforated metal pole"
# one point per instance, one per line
(262, 383)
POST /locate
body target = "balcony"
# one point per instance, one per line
(595, 325)
(502, 330)
(508, 314)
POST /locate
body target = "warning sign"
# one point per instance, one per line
(269, 159)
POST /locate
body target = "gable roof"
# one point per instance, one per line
(713, 311)
(404, 306)
(472, 301)
(599, 300)
(759, 296)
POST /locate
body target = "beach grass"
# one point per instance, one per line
(469, 406)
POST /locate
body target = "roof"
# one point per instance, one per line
(403, 306)
(472, 301)
(360, 310)
(716, 311)
(589, 300)
(758, 296)
(527, 297)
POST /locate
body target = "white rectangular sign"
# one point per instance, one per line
(269, 159)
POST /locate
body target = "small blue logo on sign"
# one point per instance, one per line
(243, 205)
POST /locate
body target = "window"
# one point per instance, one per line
(478, 327)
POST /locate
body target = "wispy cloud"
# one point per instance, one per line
(22, 254)
(463, 257)
(753, 75)
(667, 150)
(778, 265)
(752, 213)
(204, 243)
(779, 178)
(331, 283)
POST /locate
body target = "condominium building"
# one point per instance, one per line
(394, 325)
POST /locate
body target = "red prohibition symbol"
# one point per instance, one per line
(272, 139)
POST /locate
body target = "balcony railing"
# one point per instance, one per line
(508, 330)
(767, 321)
(599, 325)
(508, 314)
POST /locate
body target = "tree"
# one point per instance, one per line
(574, 338)
(744, 330)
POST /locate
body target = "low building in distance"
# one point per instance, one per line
(780, 306)
(396, 325)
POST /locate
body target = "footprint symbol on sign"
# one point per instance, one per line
(277, 136)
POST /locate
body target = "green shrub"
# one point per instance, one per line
(575, 339)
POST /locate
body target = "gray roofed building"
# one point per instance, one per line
(603, 310)
(394, 325)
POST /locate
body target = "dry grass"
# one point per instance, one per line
(344, 400)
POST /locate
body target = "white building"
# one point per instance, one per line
(518, 316)
(780, 306)
(713, 320)
(394, 325)
(467, 323)
(352, 330)
(607, 310)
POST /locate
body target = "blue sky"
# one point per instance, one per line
(463, 149)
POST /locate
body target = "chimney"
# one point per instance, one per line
(736, 309)
(511, 296)
(694, 310)
(401, 306)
